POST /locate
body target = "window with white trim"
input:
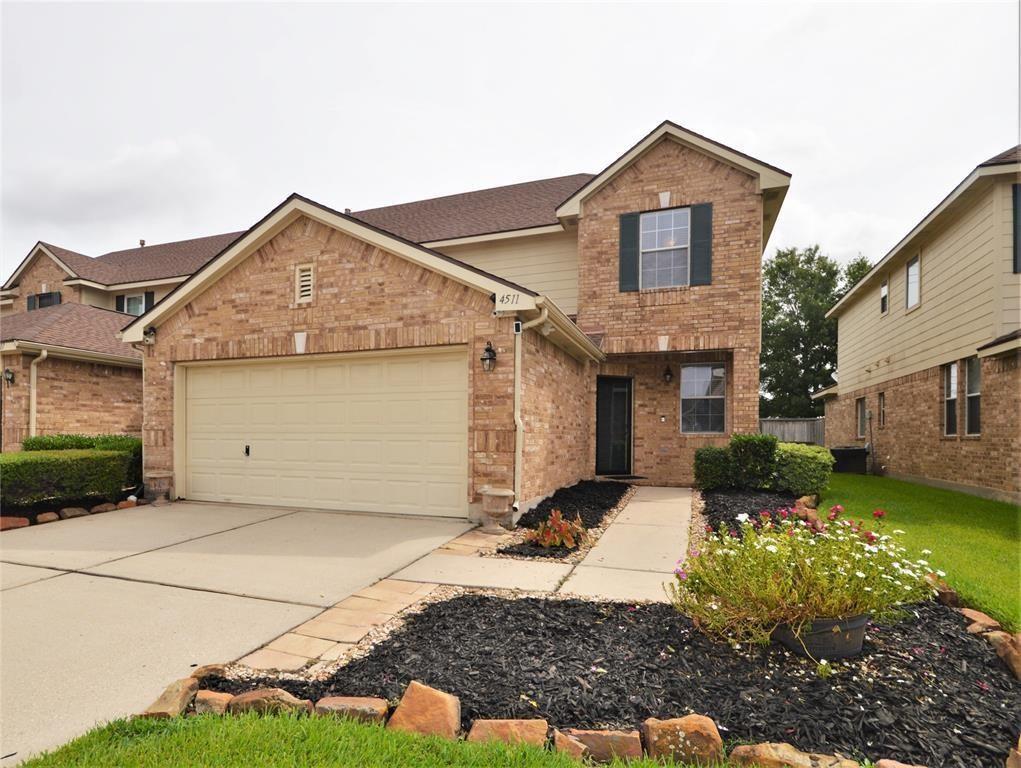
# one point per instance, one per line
(665, 248)
(913, 283)
(304, 283)
(950, 399)
(134, 305)
(703, 398)
(973, 397)
(861, 416)
(884, 297)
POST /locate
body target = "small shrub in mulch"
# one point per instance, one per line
(723, 507)
(924, 690)
(590, 499)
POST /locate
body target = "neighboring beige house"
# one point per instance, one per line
(928, 344)
(403, 359)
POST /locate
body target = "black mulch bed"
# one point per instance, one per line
(924, 691)
(527, 549)
(725, 506)
(590, 499)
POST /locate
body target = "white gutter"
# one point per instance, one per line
(32, 379)
(519, 424)
(71, 353)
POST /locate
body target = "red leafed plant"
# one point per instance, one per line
(555, 531)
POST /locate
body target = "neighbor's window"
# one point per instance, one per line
(303, 283)
(666, 237)
(912, 293)
(703, 395)
(134, 305)
(884, 297)
(859, 412)
(950, 399)
(973, 401)
(882, 409)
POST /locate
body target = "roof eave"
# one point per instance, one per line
(70, 353)
(980, 172)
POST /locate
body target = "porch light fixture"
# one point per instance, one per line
(149, 335)
(8, 376)
(668, 375)
(488, 357)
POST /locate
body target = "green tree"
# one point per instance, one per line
(799, 345)
(854, 271)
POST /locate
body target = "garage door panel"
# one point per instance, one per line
(384, 433)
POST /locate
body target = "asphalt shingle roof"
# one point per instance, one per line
(77, 326)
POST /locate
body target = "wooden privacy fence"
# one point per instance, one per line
(796, 430)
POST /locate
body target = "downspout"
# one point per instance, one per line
(32, 379)
(519, 424)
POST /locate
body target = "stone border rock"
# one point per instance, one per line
(692, 739)
(9, 522)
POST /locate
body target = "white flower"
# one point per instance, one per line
(941, 574)
(926, 552)
(859, 574)
(898, 530)
(771, 548)
(742, 518)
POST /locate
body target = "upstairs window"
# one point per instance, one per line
(304, 283)
(973, 401)
(134, 305)
(884, 297)
(703, 398)
(913, 284)
(40, 300)
(950, 399)
(665, 244)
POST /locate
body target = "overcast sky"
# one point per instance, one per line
(171, 121)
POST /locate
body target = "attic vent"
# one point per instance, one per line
(303, 283)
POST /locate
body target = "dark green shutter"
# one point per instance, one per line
(119, 303)
(150, 299)
(31, 302)
(1017, 229)
(629, 252)
(702, 244)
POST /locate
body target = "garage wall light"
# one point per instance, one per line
(488, 357)
(668, 375)
(149, 335)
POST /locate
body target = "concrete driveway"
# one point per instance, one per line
(98, 613)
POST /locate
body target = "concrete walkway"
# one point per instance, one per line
(633, 559)
(637, 554)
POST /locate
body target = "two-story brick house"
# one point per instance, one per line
(401, 359)
(929, 344)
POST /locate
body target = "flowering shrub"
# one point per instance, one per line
(780, 571)
(555, 531)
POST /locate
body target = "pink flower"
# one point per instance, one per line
(764, 514)
(733, 533)
(836, 510)
(681, 574)
(871, 537)
(879, 513)
(784, 514)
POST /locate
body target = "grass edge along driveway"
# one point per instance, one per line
(976, 541)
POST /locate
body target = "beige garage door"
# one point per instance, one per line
(374, 433)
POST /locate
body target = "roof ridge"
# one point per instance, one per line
(169, 242)
(469, 192)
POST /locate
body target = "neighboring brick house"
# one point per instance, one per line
(929, 344)
(402, 359)
(63, 311)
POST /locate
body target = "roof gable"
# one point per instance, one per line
(769, 177)
(61, 257)
(515, 296)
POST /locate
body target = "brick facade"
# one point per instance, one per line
(365, 299)
(912, 443)
(41, 276)
(643, 330)
(558, 413)
(71, 397)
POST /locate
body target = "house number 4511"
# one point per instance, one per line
(505, 300)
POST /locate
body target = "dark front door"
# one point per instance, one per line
(613, 426)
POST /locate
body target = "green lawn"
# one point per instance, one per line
(976, 541)
(275, 742)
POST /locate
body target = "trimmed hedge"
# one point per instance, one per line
(124, 443)
(713, 468)
(802, 469)
(753, 458)
(759, 462)
(29, 477)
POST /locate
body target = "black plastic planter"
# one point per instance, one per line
(825, 638)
